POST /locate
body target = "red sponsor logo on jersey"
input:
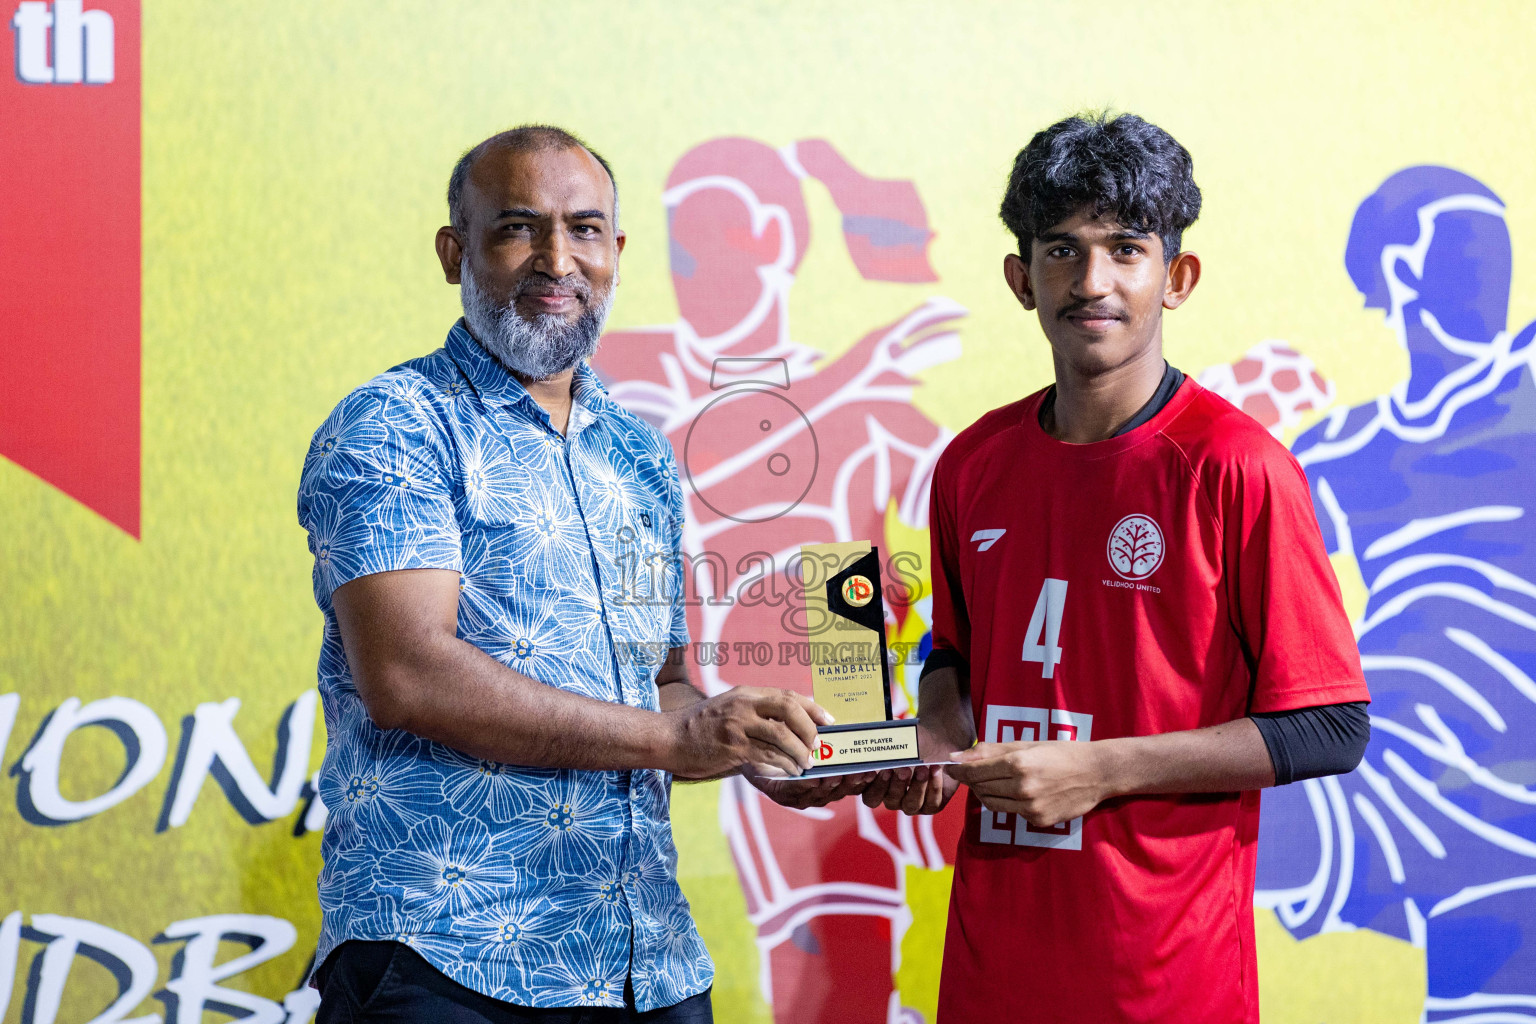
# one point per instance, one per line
(69, 250)
(1006, 723)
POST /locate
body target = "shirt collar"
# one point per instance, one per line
(495, 384)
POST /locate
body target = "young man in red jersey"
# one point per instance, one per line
(1127, 562)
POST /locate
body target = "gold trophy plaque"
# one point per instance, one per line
(850, 671)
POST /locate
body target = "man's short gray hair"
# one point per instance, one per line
(527, 138)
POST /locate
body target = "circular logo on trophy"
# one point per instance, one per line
(1136, 547)
(858, 591)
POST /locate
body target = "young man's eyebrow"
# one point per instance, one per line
(1115, 236)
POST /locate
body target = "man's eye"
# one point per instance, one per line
(1062, 251)
(1130, 250)
(586, 230)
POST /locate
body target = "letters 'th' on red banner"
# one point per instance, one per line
(69, 250)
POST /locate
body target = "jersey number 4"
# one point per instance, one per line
(1042, 642)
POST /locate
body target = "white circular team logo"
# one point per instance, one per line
(1136, 547)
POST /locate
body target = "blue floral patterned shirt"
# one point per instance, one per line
(536, 886)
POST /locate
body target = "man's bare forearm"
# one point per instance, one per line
(461, 697)
(399, 630)
(674, 689)
(1221, 758)
(678, 694)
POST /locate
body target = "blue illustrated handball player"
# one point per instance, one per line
(1431, 489)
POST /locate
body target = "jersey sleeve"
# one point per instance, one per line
(376, 493)
(1285, 601)
(951, 622)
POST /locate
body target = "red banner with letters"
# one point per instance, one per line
(69, 251)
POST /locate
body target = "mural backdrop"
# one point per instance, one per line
(218, 218)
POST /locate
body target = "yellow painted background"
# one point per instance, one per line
(295, 156)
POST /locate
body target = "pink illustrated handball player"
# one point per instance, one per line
(778, 449)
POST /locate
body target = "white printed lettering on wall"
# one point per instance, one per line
(195, 975)
(209, 748)
(83, 50)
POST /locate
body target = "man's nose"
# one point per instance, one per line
(1095, 277)
(553, 256)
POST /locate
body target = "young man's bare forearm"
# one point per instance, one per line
(1224, 758)
(944, 708)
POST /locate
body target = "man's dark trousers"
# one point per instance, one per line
(388, 982)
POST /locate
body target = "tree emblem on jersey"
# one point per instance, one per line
(1135, 547)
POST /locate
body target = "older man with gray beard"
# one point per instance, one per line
(505, 705)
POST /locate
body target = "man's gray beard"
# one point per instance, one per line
(536, 348)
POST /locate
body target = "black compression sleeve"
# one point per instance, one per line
(1309, 743)
(942, 657)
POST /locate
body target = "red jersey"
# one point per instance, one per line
(1170, 578)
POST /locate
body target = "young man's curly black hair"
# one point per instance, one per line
(1110, 165)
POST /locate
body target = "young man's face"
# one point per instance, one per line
(1101, 289)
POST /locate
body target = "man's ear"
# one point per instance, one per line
(1016, 273)
(1183, 275)
(450, 253)
(618, 240)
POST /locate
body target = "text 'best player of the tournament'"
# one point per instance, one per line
(850, 670)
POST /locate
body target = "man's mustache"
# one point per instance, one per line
(1090, 311)
(542, 284)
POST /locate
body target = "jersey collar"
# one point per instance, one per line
(1035, 434)
(496, 385)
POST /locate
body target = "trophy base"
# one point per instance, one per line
(868, 745)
